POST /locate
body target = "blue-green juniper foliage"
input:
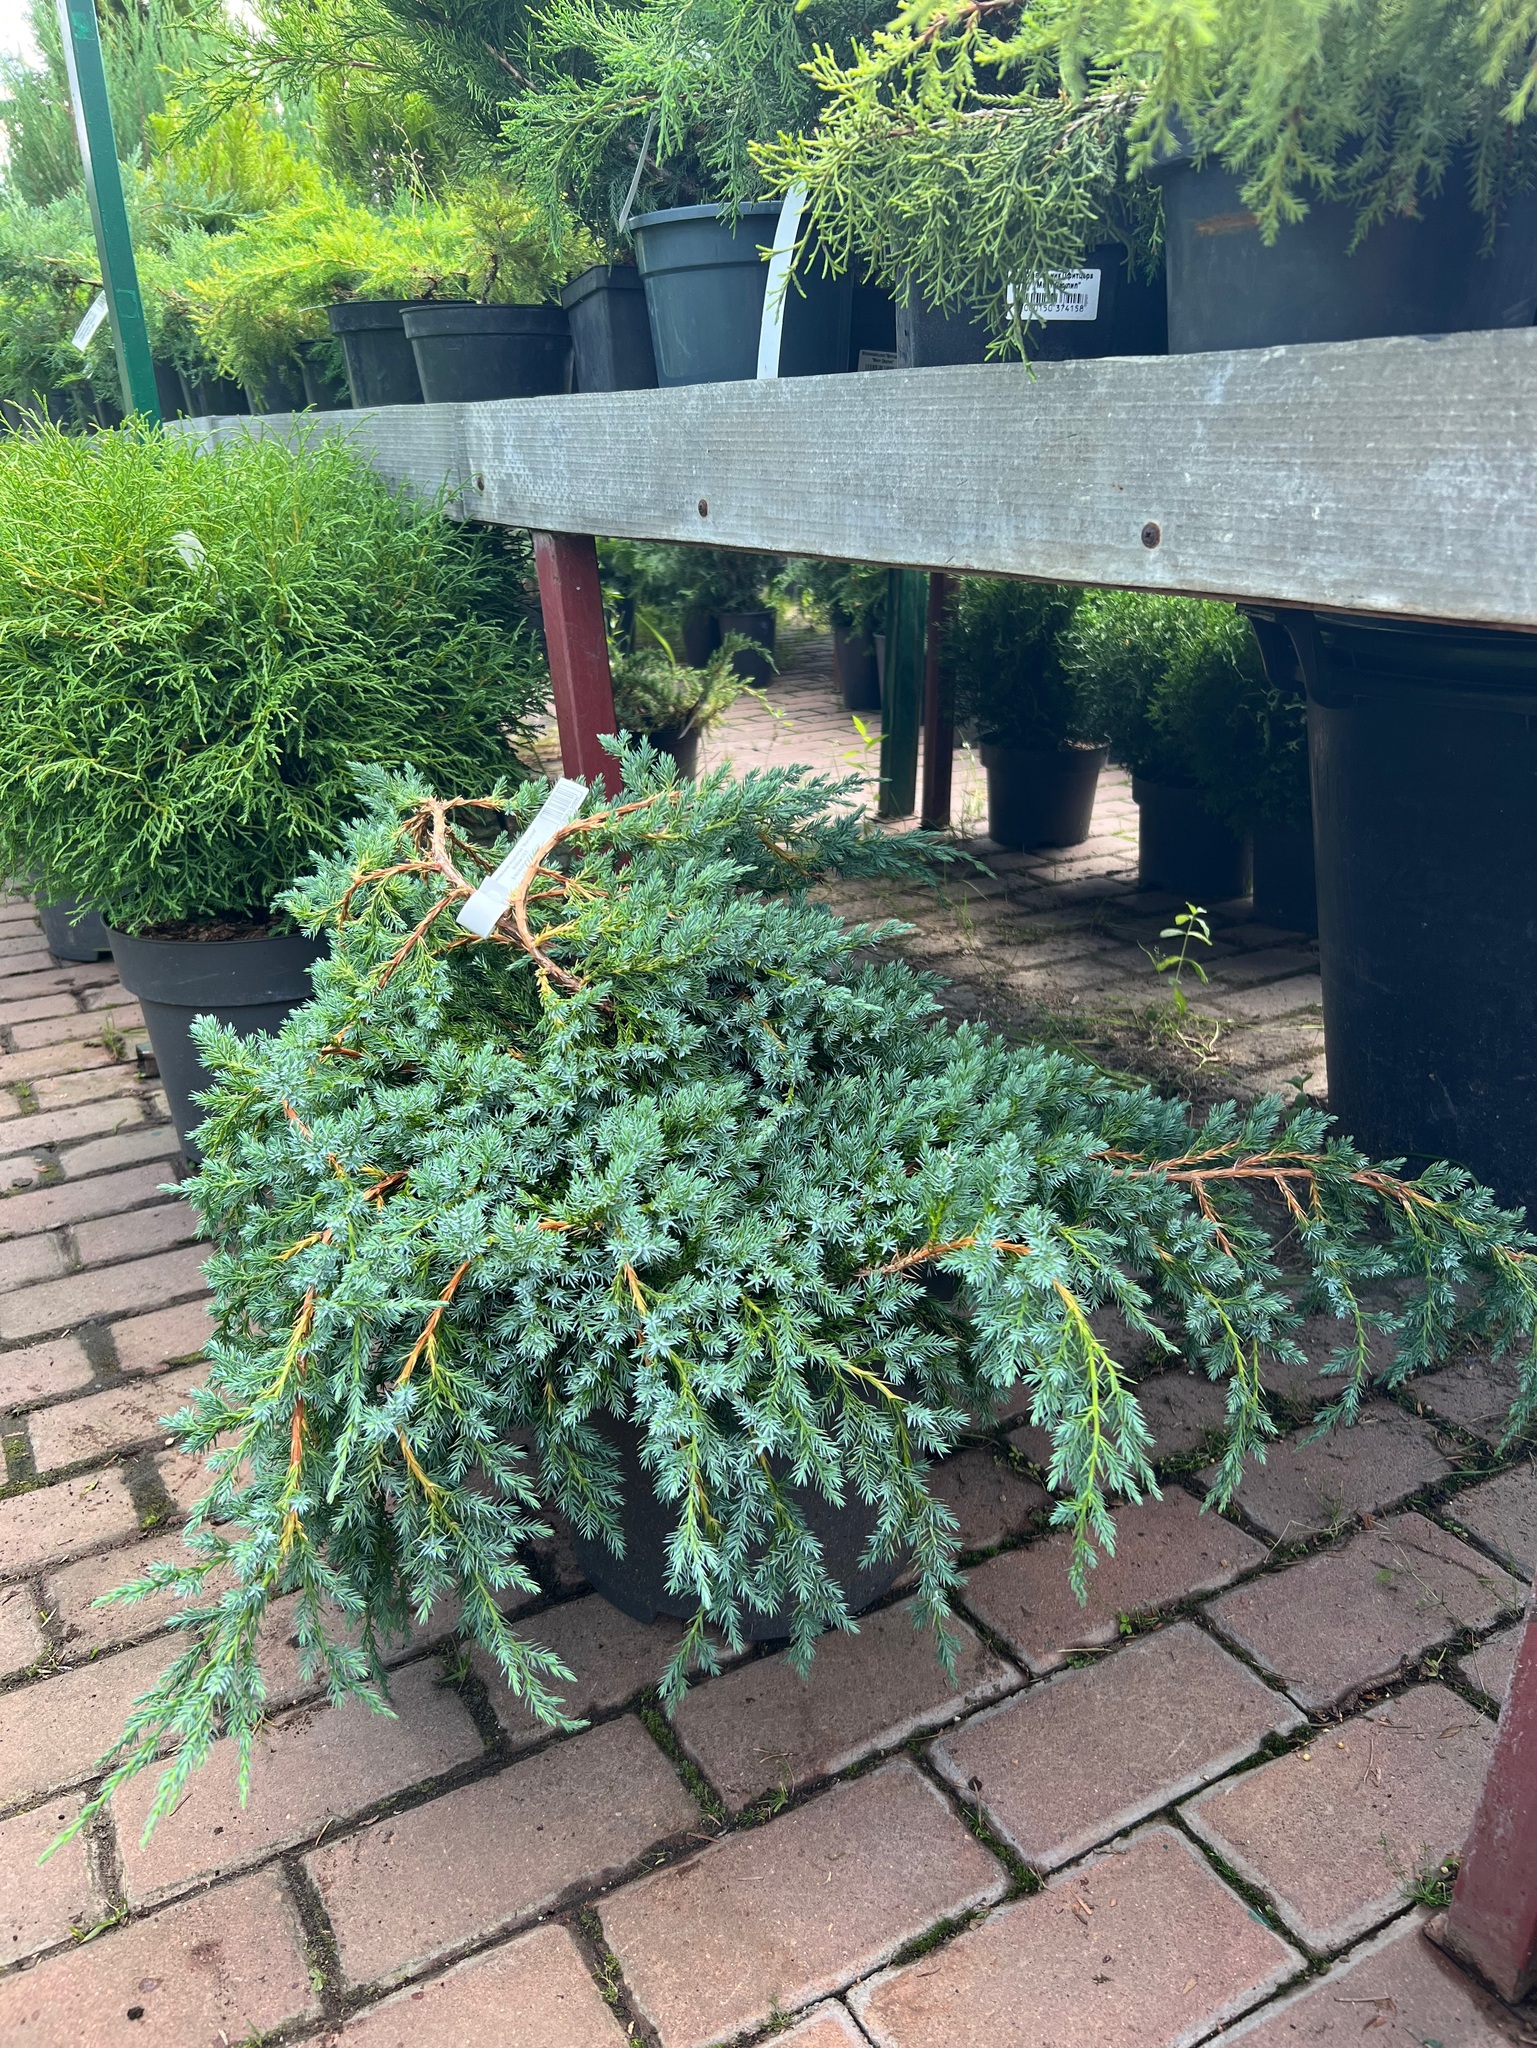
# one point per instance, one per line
(675, 1146)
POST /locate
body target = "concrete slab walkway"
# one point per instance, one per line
(1199, 1809)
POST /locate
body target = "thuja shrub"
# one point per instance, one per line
(674, 1147)
(195, 649)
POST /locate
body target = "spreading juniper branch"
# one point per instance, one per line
(671, 1147)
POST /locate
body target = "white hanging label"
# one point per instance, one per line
(1076, 297)
(485, 909)
(96, 313)
(771, 330)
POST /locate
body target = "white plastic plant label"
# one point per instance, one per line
(95, 314)
(1075, 298)
(485, 908)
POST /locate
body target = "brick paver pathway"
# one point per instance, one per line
(1192, 1810)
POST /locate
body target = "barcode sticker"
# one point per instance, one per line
(1076, 297)
(485, 909)
(96, 313)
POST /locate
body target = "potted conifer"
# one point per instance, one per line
(641, 1199)
(671, 704)
(1042, 752)
(199, 648)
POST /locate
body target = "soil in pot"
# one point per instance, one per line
(468, 353)
(381, 364)
(637, 1582)
(1102, 310)
(1183, 849)
(1426, 275)
(1037, 797)
(248, 982)
(705, 278)
(74, 933)
(610, 329)
(209, 397)
(855, 666)
(1285, 882)
(325, 381)
(755, 669)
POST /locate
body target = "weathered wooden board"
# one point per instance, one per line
(1382, 476)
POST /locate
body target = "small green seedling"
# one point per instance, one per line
(1191, 928)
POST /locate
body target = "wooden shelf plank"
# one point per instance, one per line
(1395, 476)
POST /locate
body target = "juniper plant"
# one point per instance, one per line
(673, 1146)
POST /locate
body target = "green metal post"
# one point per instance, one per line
(109, 216)
(907, 593)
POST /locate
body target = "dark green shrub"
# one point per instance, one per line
(196, 649)
(1003, 655)
(656, 694)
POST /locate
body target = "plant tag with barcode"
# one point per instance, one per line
(95, 314)
(485, 909)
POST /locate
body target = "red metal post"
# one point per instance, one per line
(1492, 1922)
(938, 725)
(571, 596)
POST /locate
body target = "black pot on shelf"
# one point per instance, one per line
(1041, 797)
(170, 391)
(468, 353)
(683, 747)
(610, 329)
(108, 412)
(858, 673)
(1423, 275)
(1423, 744)
(705, 278)
(279, 391)
(324, 377)
(251, 984)
(1183, 849)
(1285, 880)
(73, 931)
(1113, 313)
(701, 637)
(637, 1582)
(758, 626)
(210, 397)
(381, 364)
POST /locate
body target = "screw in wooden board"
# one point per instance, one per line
(480, 481)
(704, 508)
(1152, 534)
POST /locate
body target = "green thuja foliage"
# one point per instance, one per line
(195, 649)
(672, 1148)
(1003, 657)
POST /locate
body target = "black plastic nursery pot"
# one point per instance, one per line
(855, 666)
(73, 931)
(637, 1582)
(381, 363)
(279, 391)
(169, 391)
(701, 637)
(1040, 797)
(251, 984)
(1183, 849)
(682, 747)
(1285, 878)
(1105, 311)
(705, 278)
(1426, 275)
(1423, 744)
(610, 329)
(468, 353)
(758, 626)
(208, 397)
(324, 380)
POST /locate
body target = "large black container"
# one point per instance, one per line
(705, 279)
(1285, 879)
(325, 381)
(1423, 742)
(759, 626)
(637, 1582)
(74, 933)
(858, 672)
(381, 364)
(1041, 798)
(1409, 276)
(610, 329)
(251, 984)
(1183, 849)
(208, 396)
(169, 390)
(1128, 320)
(279, 391)
(468, 353)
